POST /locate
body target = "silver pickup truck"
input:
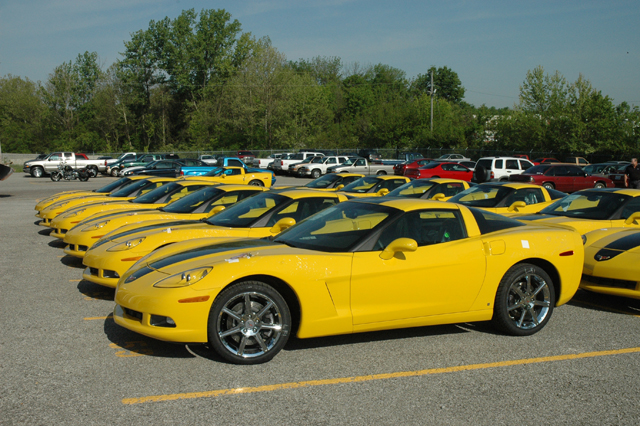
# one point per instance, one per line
(38, 168)
(362, 166)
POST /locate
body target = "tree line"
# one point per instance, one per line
(199, 83)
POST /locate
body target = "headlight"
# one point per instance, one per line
(127, 245)
(95, 226)
(72, 214)
(185, 278)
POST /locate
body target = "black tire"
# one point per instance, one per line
(114, 172)
(249, 323)
(381, 173)
(315, 173)
(37, 172)
(599, 185)
(93, 171)
(83, 177)
(524, 300)
(548, 185)
(56, 176)
(256, 182)
(479, 174)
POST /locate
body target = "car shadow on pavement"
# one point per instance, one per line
(95, 291)
(295, 344)
(45, 231)
(127, 343)
(57, 243)
(72, 261)
(605, 303)
(5, 195)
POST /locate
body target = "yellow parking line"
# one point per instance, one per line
(606, 308)
(74, 281)
(98, 318)
(384, 376)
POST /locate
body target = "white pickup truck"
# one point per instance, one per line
(362, 166)
(318, 166)
(38, 168)
(282, 165)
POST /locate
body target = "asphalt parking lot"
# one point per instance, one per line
(64, 361)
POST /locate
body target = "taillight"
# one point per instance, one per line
(492, 175)
(181, 173)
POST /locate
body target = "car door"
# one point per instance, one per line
(511, 167)
(561, 179)
(580, 181)
(444, 274)
(461, 172)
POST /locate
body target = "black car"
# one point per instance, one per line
(168, 168)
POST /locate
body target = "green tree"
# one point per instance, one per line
(22, 115)
(446, 83)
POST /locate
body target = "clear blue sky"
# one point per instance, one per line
(490, 44)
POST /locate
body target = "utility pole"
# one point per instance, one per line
(431, 93)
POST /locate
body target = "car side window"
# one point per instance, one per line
(426, 227)
(332, 161)
(631, 207)
(302, 209)
(524, 165)
(528, 195)
(498, 164)
(360, 162)
(446, 167)
(574, 171)
(512, 164)
(459, 168)
(234, 163)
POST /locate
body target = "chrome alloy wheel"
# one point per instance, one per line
(249, 325)
(528, 301)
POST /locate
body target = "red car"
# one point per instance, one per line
(443, 170)
(246, 155)
(401, 168)
(562, 177)
(539, 161)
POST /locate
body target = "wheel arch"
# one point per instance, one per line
(284, 289)
(550, 269)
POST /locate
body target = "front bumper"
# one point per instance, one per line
(610, 286)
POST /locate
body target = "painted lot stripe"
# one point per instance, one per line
(384, 376)
(98, 318)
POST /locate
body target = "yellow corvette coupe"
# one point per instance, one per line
(440, 189)
(362, 265)
(260, 216)
(237, 176)
(509, 199)
(159, 197)
(104, 191)
(200, 204)
(373, 186)
(592, 209)
(612, 262)
(328, 182)
(128, 192)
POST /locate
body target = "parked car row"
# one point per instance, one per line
(241, 267)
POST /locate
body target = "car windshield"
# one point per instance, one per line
(339, 228)
(482, 196)
(166, 193)
(324, 181)
(130, 189)
(247, 212)
(189, 203)
(113, 185)
(413, 189)
(587, 205)
(362, 185)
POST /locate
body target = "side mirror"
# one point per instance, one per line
(383, 192)
(339, 187)
(216, 210)
(516, 205)
(438, 197)
(282, 224)
(586, 174)
(632, 218)
(398, 245)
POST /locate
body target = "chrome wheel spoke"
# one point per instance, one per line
(512, 307)
(229, 332)
(264, 310)
(544, 303)
(232, 314)
(261, 342)
(534, 316)
(243, 343)
(275, 327)
(247, 304)
(521, 320)
(539, 289)
(519, 292)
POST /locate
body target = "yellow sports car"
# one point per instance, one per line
(104, 191)
(328, 182)
(237, 176)
(373, 186)
(260, 216)
(128, 192)
(592, 209)
(362, 265)
(159, 197)
(197, 205)
(612, 262)
(440, 189)
(508, 199)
